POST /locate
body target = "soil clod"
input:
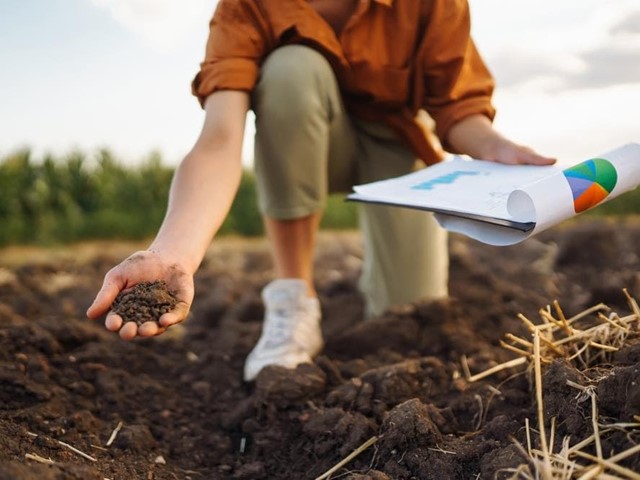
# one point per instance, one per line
(146, 302)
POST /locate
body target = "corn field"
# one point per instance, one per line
(77, 197)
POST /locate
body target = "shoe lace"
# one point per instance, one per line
(279, 328)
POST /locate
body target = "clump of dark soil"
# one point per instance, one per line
(145, 302)
(185, 412)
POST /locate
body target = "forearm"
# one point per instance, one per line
(205, 183)
(201, 194)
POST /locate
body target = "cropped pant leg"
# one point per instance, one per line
(405, 250)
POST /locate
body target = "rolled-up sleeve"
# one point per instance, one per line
(457, 81)
(238, 41)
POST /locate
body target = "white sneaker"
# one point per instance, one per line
(291, 332)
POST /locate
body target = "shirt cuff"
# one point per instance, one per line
(228, 74)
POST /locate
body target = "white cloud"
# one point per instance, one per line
(572, 44)
(609, 66)
(165, 25)
(567, 72)
(546, 25)
(570, 124)
(630, 25)
(557, 91)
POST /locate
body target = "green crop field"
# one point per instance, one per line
(53, 200)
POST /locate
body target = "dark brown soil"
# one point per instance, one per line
(186, 413)
(145, 302)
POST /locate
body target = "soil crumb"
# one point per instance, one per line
(146, 302)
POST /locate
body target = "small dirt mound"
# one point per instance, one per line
(146, 302)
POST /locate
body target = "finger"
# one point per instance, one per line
(105, 297)
(177, 315)
(129, 331)
(149, 329)
(540, 160)
(532, 158)
(113, 322)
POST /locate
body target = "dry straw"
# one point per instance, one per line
(558, 337)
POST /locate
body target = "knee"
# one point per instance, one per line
(294, 76)
(294, 65)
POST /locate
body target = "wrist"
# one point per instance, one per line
(490, 146)
(173, 259)
(475, 136)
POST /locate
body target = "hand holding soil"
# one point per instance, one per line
(145, 294)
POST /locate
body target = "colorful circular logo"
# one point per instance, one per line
(591, 182)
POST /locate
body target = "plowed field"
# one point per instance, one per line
(183, 411)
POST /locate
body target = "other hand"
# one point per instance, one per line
(507, 152)
(476, 137)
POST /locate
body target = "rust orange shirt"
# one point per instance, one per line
(392, 59)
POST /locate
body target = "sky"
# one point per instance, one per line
(87, 74)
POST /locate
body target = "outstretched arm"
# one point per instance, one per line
(202, 191)
(476, 137)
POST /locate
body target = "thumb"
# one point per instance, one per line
(177, 315)
(104, 299)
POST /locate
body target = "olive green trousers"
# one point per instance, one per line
(307, 145)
